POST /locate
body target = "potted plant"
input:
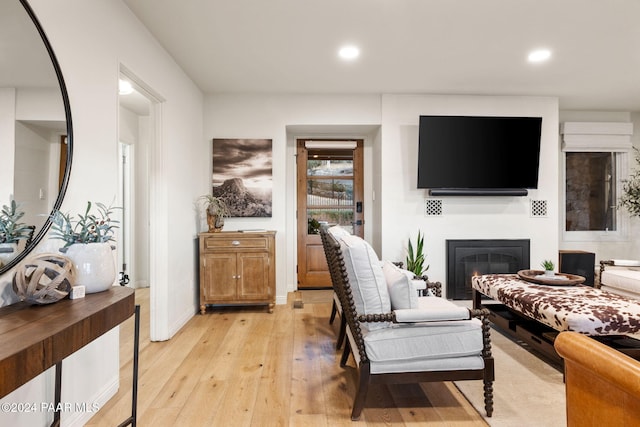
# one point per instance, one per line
(630, 198)
(87, 244)
(415, 257)
(11, 231)
(216, 209)
(548, 266)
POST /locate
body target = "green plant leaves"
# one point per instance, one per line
(89, 228)
(11, 230)
(630, 198)
(548, 265)
(415, 257)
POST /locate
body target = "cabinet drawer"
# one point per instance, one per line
(257, 242)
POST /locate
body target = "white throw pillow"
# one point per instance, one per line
(338, 232)
(366, 278)
(401, 291)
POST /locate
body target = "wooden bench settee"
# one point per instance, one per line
(396, 336)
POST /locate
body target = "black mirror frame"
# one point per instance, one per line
(67, 172)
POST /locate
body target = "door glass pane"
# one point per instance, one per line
(590, 191)
(330, 217)
(316, 166)
(330, 190)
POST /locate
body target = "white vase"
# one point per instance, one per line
(549, 273)
(95, 268)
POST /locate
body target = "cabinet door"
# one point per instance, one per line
(219, 283)
(253, 269)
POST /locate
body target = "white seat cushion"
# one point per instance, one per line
(431, 309)
(366, 278)
(626, 280)
(417, 344)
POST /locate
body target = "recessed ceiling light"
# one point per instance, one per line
(349, 52)
(125, 88)
(539, 55)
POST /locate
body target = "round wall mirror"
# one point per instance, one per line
(36, 139)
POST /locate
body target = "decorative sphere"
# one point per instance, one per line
(44, 279)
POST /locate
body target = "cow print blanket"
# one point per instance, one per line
(564, 308)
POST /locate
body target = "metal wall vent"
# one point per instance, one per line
(433, 207)
(539, 209)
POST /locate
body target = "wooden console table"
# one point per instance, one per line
(537, 313)
(33, 338)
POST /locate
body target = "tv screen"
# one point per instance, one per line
(478, 152)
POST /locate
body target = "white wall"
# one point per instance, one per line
(91, 41)
(34, 148)
(7, 142)
(463, 217)
(390, 168)
(283, 119)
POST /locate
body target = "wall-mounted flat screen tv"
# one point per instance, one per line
(478, 155)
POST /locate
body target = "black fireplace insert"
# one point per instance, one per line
(467, 258)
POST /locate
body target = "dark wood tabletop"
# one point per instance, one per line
(34, 338)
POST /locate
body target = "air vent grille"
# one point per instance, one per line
(433, 207)
(539, 209)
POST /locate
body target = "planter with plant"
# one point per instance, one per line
(87, 244)
(548, 267)
(216, 209)
(11, 231)
(630, 198)
(415, 256)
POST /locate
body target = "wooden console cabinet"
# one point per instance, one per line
(237, 268)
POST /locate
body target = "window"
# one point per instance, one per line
(590, 191)
(596, 161)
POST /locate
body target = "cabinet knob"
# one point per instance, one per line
(235, 243)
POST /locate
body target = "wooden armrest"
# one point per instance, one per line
(381, 317)
(600, 360)
(435, 287)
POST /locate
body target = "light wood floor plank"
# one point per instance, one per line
(274, 391)
(246, 367)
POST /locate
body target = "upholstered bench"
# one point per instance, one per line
(621, 277)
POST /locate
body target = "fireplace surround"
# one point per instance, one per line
(466, 258)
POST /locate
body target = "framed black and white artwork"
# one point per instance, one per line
(242, 175)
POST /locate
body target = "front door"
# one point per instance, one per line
(330, 190)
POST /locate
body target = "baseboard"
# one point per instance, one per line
(182, 320)
(80, 419)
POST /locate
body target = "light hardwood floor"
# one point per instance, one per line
(246, 367)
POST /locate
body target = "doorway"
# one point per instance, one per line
(138, 119)
(329, 192)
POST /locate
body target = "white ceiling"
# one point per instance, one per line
(407, 46)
